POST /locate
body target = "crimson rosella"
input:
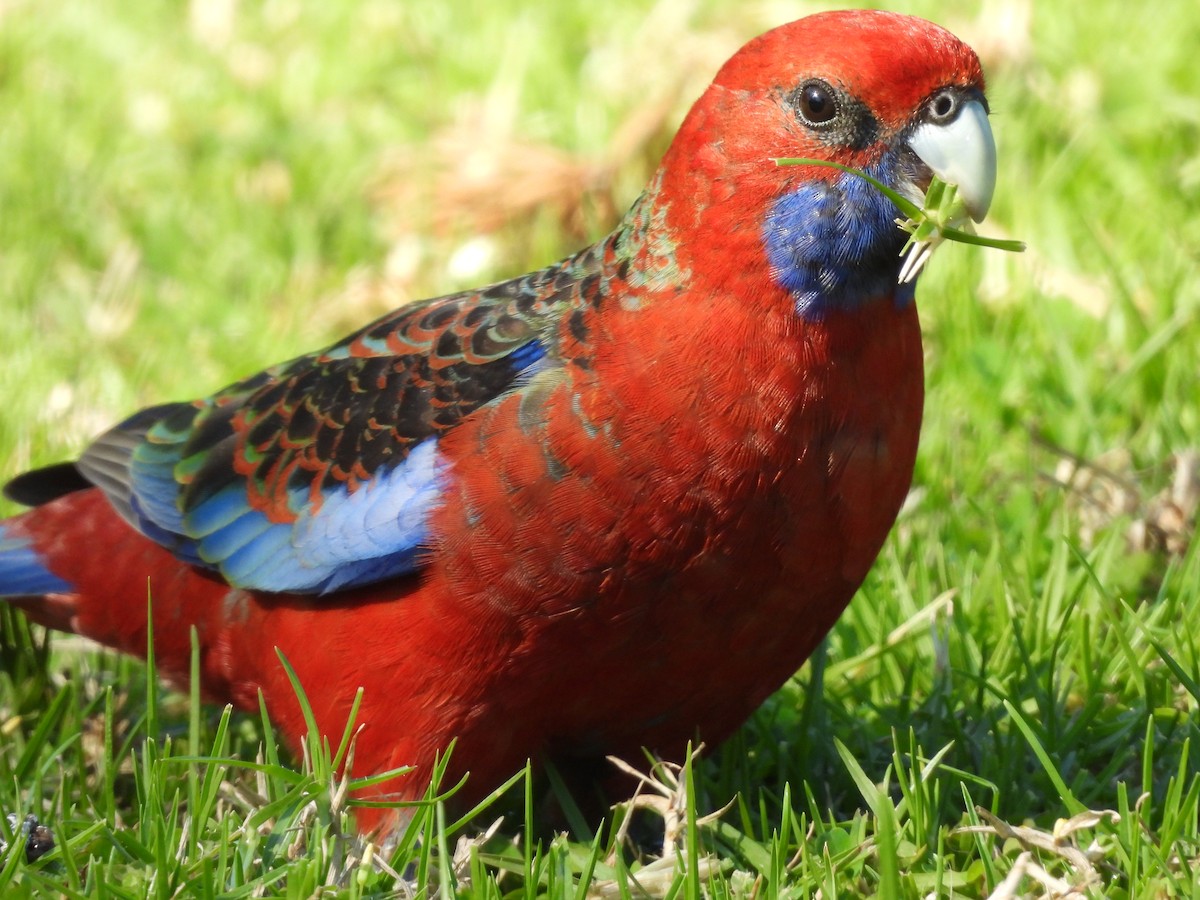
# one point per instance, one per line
(608, 505)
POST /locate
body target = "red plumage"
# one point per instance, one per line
(646, 533)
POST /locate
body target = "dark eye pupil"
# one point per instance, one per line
(943, 106)
(817, 104)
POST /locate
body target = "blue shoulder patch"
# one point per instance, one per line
(354, 538)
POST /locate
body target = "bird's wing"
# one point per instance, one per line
(320, 474)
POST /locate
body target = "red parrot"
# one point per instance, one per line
(610, 504)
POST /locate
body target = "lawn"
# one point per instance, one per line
(1009, 708)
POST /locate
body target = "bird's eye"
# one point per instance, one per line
(943, 107)
(816, 103)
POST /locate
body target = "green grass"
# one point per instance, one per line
(182, 203)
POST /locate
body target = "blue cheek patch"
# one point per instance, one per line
(834, 244)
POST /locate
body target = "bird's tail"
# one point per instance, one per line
(24, 572)
(72, 564)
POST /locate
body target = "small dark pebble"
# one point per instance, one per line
(38, 838)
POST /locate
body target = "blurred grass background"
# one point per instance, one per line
(192, 191)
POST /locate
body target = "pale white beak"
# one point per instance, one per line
(962, 152)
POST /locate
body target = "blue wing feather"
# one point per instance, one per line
(352, 539)
(216, 544)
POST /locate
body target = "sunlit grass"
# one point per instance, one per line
(187, 195)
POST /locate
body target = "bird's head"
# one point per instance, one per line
(895, 96)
